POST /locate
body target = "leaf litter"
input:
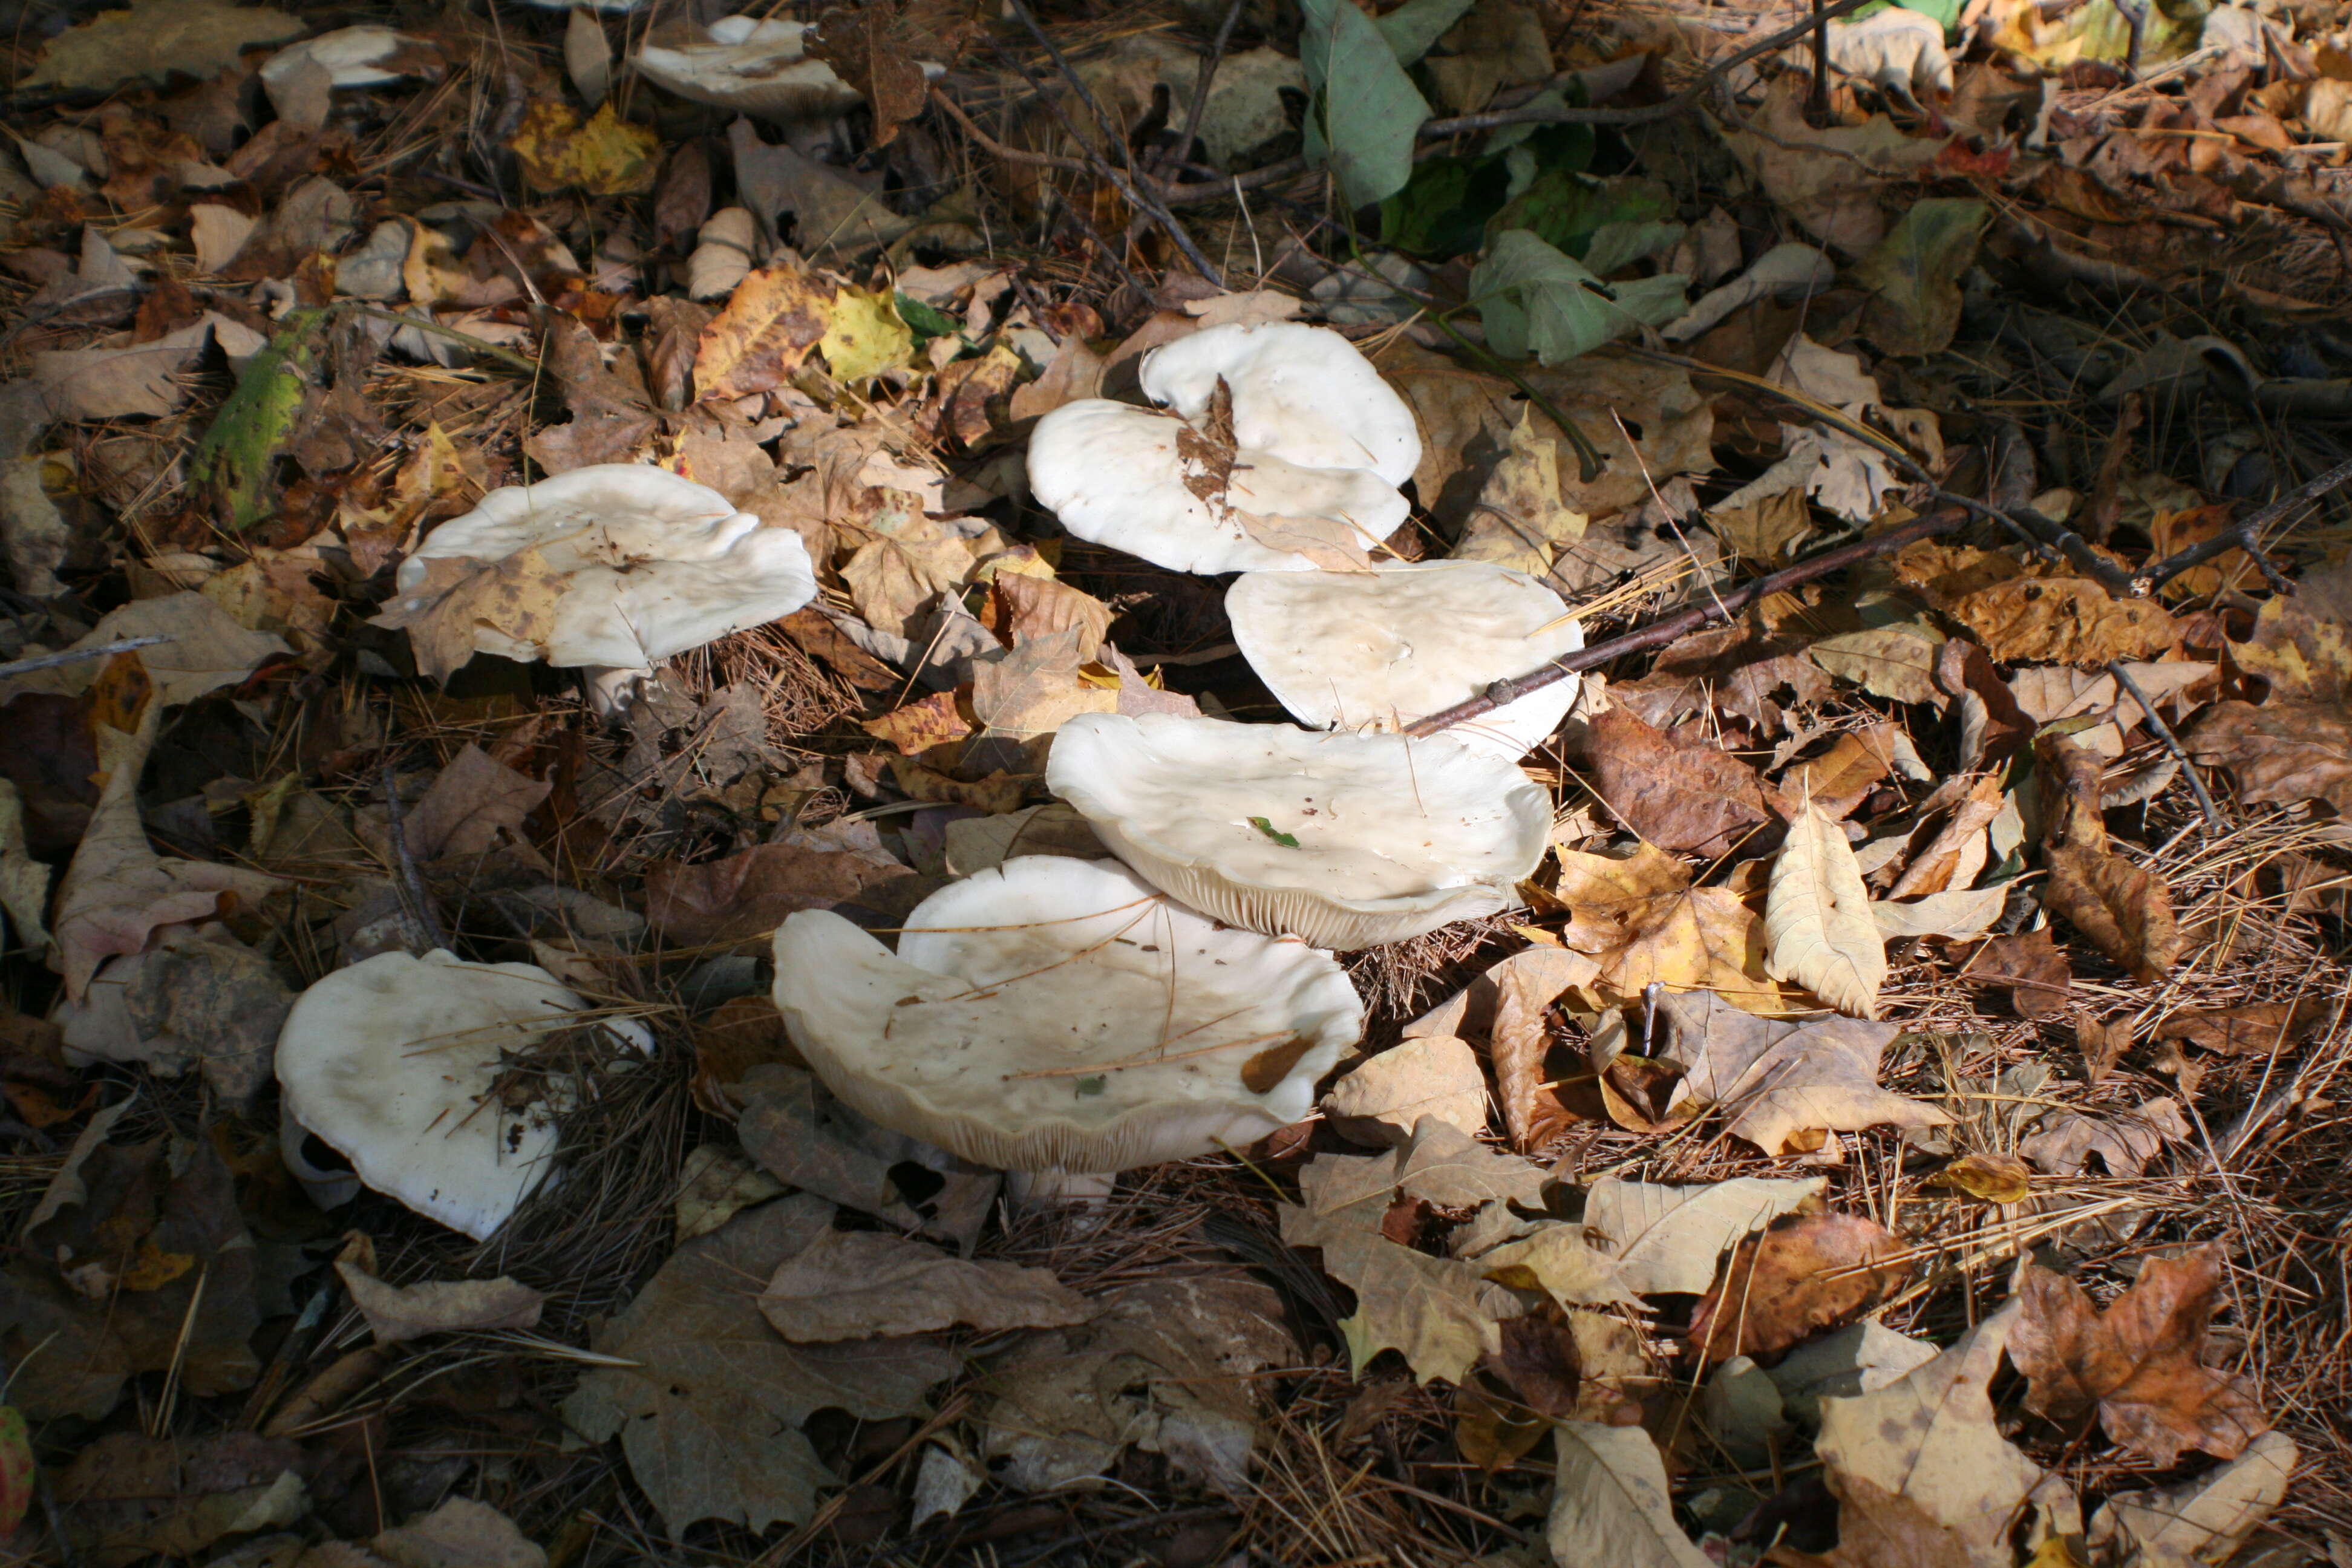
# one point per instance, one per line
(1935, 968)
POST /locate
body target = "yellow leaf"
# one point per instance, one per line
(1818, 929)
(1995, 1178)
(769, 323)
(607, 157)
(865, 336)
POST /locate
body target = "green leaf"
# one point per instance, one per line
(1914, 275)
(235, 458)
(1268, 829)
(1443, 210)
(1366, 110)
(1565, 209)
(1412, 26)
(1533, 299)
(1615, 245)
(1094, 1085)
(1946, 12)
(927, 321)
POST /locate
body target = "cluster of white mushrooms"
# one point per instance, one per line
(1057, 1017)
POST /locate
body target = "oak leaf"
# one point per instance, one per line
(1784, 1084)
(1640, 918)
(2283, 752)
(1676, 788)
(2265, 1028)
(2140, 1363)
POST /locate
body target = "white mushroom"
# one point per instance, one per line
(1301, 394)
(396, 1061)
(356, 57)
(1316, 434)
(1347, 840)
(1352, 650)
(722, 254)
(1057, 1014)
(749, 65)
(639, 563)
(1115, 474)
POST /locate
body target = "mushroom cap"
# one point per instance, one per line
(1380, 649)
(1302, 393)
(395, 1061)
(1053, 1013)
(657, 563)
(352, 57)
(1394, 836)
(1113, 475)
(749, 65)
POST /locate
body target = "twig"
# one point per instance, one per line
(2241, 535)
(411, 880)
(2171, 743)
(1818, 105)
(75, 656)
(1183, 148)
(1682, 624)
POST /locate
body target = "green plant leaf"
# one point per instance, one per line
(1534, 299)
(235, 457)
(1271, 831)
(1443, 210)
(1565, 209)
(1914, 275)
(1617, 245)
(1412, 26)
(927, 321)
(1366, 110)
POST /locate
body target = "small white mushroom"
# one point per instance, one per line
(722, 254)
(357, 56)
(1301, 394)
(750, 66)
(395, 1062)
(1347, 840)
(650, 564)
(1059, 1016)
(1115, 474)
(1316, 434)
(1352, 650)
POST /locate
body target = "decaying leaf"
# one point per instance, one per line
(1802, 1275)
(852, 1285)
(2123, 908)
(1642, 921)
(1610, 1503)
(439, 1306)
(2287, 753)
(1785, 1085)
(156, 38)
(2202, 1521)
(772, 322)
(604, 155)
(1676, 788)
(2140, 1363)
(2031, 967)
(2265, 1028)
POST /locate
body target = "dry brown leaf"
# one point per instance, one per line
(1802, 1275)
(2124, 1141)
(893, 579)
(749, 895)
(1029, 608)
(770, 324)
(918, 726)
(473, 801)
(512, 598)
(2124, 910)
(2065, 620)
(854, 1284)
(1525, 985)
(604, 155)
(2286, 753)
(1879, 1528)
(1957, 852)
(1678, 789)
(2140, 1363)
(1995, 1178)
(2103, 1044)
(1818, 929)
(395, 1313)
(1992, 727)
(1785, 1085)
(2033, 967)
(1640, 918)
(1380, 1102)
(155, 38)
(1520, 521)
(1734, 669)
(1036, 689)
(1840, 778)
(2302, 642)
(1897, 662)
(2262, 1029)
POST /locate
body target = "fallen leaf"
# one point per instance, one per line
(1029, 608)
(1734, 669)
(1430, 1075)
(395, 1313)
(976, 844)
(1897, 662)
(1523, 985)
(1610, 1503)
(871, 47)
(1520, 521)
(710, 1410)
(2140, 1363)
(1842, 778)
(1827, 180)
(604, 155)
(1783, 1084)
(767, 328)
(2202, 1521)
(1803, 1274)
(1914, 274)
(204, 650)
(2265, 1028)
(2124, 1142)
(805, 1137)
(853, 1285)
(23, 881)
(714, 1185)
(474, 802)
(465, 606)
(2061, 620)
(1678, 789)
(1930, 1439)
(1818, 928)
(1961, 916)
(2302, 642)
(2033, 968)
(920, 725)
(2283, 752)
(1879, 1528)
(1640, 918)
(1667, 1239)
(1036, 689)
(864, 336)
(126, 1495)
(893, 580)
(1994, 1178)
(118, 378)
(156, 38)
(748, 895)
(1992, 727)
(2123, 909)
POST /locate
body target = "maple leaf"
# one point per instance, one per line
(1642, 921)
(2140, 1363)
(770, 324)
(1733, 668)
(709, 1406)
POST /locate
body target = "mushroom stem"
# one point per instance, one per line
(1036, 1189)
